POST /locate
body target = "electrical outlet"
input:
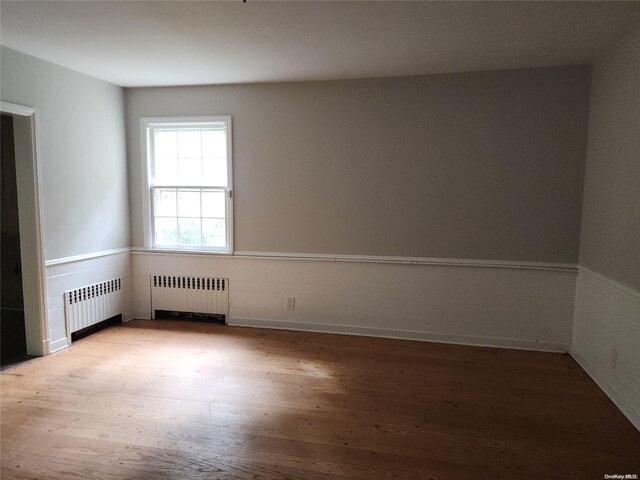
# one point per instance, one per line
(291, 303)
(614, 358)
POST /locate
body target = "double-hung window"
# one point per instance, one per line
(188, 183)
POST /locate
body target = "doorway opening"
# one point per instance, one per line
(13, 341)
(23, 321)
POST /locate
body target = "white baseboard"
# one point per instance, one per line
(399, 334)
(58, 345)
(624, 400)
(45, 348)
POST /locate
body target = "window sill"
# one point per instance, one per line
(181, 251)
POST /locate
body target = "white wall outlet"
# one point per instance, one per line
(291, 303)
(614, 358)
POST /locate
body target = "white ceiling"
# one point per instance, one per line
(189, 43)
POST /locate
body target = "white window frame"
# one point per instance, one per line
(147, 203)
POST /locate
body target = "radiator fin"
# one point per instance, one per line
(181, 293)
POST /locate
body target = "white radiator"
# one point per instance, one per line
(86, 306)
(177, 293)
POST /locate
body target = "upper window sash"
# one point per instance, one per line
(189, 154)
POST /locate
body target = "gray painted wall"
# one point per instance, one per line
(485, 165)
(610, 242)
(82, 153)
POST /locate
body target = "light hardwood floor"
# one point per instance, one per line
(160, 399)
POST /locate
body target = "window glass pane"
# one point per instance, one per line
(165, 171)
(213, 204)
(188, 203)
(166, 231)
(213, 232)
(190, 172)
(166, 143)
(214, 143)
(189, 144)
(214, 172)
(164, 204)
(189, 231)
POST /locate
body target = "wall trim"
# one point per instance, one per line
(621, 399)
(86, 256)
(15, 109)
(58, 345)
(399, 334)
(609, 281)
(141, 315)
(456, 262)
(46, 348)
(175, 251)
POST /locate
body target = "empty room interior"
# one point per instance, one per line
(315, 239)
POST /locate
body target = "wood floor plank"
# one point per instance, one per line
(161, 399)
